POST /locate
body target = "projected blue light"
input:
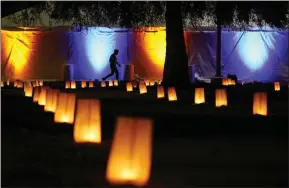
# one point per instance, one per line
(99, 48)
(253, 49)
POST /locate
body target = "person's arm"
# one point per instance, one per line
(117, 62)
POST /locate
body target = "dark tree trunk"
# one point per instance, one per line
(218, 50)
(176, 61)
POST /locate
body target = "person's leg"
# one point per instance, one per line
(109, 75)
(116, 73)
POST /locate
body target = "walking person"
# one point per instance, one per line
(113, 62)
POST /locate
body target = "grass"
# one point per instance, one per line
(194, 145)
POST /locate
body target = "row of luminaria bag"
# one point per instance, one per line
(42, 96)
(130, 156)
(277, 86)
(228, 82)
(129, 87)
(131, 152)
(28, 89)
(36, 93)
(87, 126)
(142, 88)
(172, 94)
(65, 109)
(83, 84)
(51, 100)
(260, 103)
(221, 97)
(72, 84)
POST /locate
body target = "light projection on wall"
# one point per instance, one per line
(253, 48)
(99, 47)
(91, 48)
(150, 52)
(155, 46)
(16, 49)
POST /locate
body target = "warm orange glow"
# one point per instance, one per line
(232, 82)
(221, 97)
(260, 103)
(228, 82)
(147, 82)
(16, 48)
(172, 95)
(67, 85)
(130, 157)
(225, 81)
(115, 82)
(2, 84)
(129, 86)
(159, 82)
(155, 46)
(110, 83)
(25, 84)
(40, 83)
(73, 85)
(243, 82)
(102, 84)
(151, 52)
(65, 108)
(134, 83)
(42, 96)
(199, 95)
(28, 90)
(36, 93)
(90, 85)
(142, 88)
(83, 84)
(87, 127)
(277, 86)
(8, 82)
(35, 84)
(160, 92)
(152, 83)
(51, 100)
(18, 84)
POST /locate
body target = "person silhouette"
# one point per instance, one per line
(113, 62)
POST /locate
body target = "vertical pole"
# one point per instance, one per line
(218, 50)
(127, 47)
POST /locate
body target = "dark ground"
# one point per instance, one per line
(194, 145)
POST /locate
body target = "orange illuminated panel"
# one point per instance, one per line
(154, 44)
(16, 50)
(150, 50)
